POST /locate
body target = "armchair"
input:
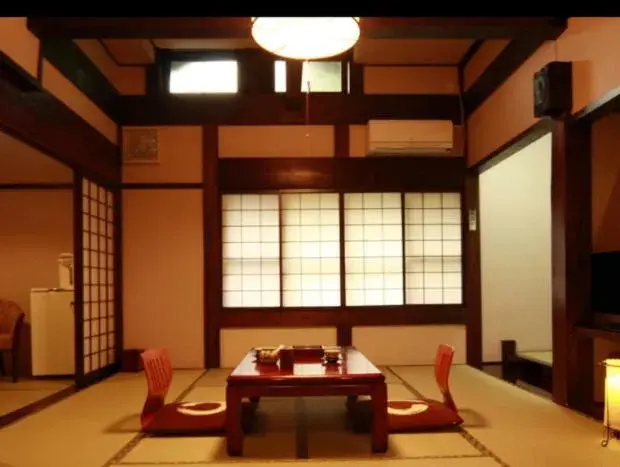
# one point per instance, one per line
(11, 320)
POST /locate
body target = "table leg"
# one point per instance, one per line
(234, 433)
(351, 401)
(380, 418)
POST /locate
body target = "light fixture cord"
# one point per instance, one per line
(307, 115)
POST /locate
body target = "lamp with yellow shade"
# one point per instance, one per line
(612, 399)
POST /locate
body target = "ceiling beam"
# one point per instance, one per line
(471, 51)
(545, 28)
(463, 28)
(37, 118)
(74, 64)
(279, 109)
(498, 71)
(141, 28)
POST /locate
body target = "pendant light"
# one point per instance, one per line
(306, 38)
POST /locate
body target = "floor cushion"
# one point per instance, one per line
(407, 416)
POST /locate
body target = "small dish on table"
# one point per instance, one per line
(332, 354)
(267, 355)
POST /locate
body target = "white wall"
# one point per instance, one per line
(515, 243)
(408, 345)
(163, 273)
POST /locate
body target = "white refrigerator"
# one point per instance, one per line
(52, 324)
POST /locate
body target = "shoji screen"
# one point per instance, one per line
(373, 249)
(98, 295)
(251, 251)
(310, 249)
(433, 248)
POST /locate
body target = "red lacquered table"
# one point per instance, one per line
(354, 376)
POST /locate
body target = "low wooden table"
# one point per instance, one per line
(354, 376)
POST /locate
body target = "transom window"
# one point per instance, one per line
(299, 249)
(204, 77)
(315, 76)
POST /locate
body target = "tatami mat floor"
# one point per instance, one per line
(14, 396)
(504, 425)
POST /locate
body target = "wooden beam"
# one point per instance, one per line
(256, 72)
(78, 279)
(543, 28)
(163, 186)
(42, 121)
(471, 51)
(472, 280)
(342, 142)
(36, 186)
(344, 335)
(500, 69)
(571, 232)
(119, 322)
(343, 174)
(514, 145)
(278, 109)
(344, 317)
(142, 28)
(605, 105)
(12, 73)
(69, 59)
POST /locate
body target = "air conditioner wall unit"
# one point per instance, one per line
(410, 137)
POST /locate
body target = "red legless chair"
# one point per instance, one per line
(422, 414)
(176, 418)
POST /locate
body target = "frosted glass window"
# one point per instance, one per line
(279, 73)
(310, 249)
(373, 249)
(433, 248)
(315, 76)
(251, 251)
(204, 77)
(321, 77)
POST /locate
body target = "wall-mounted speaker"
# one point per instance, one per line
(553, 90)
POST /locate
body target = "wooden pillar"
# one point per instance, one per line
(294, 70)
(256, 72)
(571, 252)
(472, 294)
(471, 278)
(212, 229)
(344, 331)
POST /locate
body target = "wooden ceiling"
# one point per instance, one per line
(140, 52)
(486, 51)
(130, 52)
(384, 41)
(239, 27)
